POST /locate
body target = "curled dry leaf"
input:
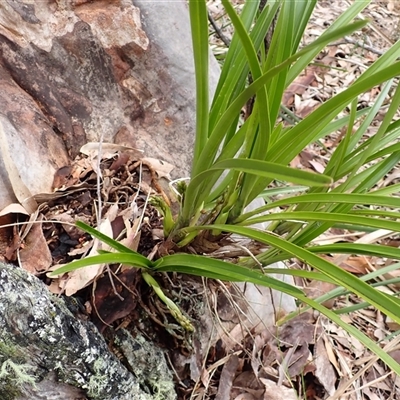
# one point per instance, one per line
(108, 150)
(21, 191)
(227, 376)
(9, 237)
(82, 277)
(35, 255)
(245, 396)
(275, 392)
(13, 208)
(324, 370)
(162, 168)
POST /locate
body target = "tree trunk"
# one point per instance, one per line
(73, 72)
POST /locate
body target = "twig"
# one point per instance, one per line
(218, 31)
(110, 277)
(98, 179)
(362, 45)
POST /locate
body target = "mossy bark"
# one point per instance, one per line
(45, 351)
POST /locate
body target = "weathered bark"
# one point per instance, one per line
(72, 72)
(47, 353)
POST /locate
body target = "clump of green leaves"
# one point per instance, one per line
(235, 161)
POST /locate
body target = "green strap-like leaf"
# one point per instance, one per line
(218, 269)
(199, 26)
(256, 167)
(134, 260)
(106, 239)
(327, 198)
(204, 266)
(359, 249)
(348, 219)
(341, 277)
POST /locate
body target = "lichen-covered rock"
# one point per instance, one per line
(148, 363)
(45, 350)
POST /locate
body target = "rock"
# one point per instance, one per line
(46, 352)
(73, 72)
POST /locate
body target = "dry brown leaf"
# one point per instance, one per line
(122, 159)
(296, 336)
(371, 395)
(275, 392)
(61, 176)
(35, 255)
(162, 168)
(68, 224)
(9, 242)
(14, 208)
(21, 191)
(351, 344)
(245, 396)
(306, 107)
(108, 150)
(81, 250)
(132, 229)
(82, 277)
(299, 86)
(260, 342)
(61, 192)
(356, 265)
(374, 379)
(246, 382)
(227, 376)
(393, 326)
(395, 354)
(113, 302)
(324, 370)
(318, 288)
(318, 166)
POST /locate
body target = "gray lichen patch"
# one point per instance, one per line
(15, 373)
(53, 341)
(148, 364)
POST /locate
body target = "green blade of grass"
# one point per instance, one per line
(226, 120)
(257, 167)
(343, 20)
(326, 198)
(355, 332)
(199, 26)
(376, 250)
(341, 277)
(201, 265)
(134, 260)
(106, 239)
(348, 219)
